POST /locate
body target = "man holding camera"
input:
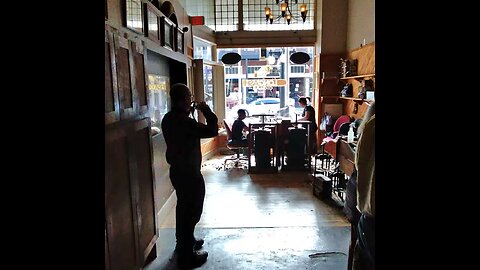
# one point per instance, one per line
(182, 135)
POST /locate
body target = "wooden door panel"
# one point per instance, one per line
(111, 91)
(145, 188)
(118, 206)
(122, 58)
(140, 77)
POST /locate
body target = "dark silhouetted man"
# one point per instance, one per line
(182, 135)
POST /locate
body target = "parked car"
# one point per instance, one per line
(262, 106)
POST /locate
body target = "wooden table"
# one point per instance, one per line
(263, 115)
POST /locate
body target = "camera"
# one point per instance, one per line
(194, 105)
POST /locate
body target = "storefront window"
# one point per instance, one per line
(266, 75)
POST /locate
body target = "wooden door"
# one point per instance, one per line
(119, 215)
(130, 213)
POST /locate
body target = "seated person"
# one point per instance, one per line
(238, 127)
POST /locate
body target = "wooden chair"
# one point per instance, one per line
(233, 146)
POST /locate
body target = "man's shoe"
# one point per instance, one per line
(198, 244)
(192, 260)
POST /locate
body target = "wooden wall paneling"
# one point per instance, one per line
(125, 93)
(141, 78)
(366, 58)
(118, 202)
(112, 110)
(145, 188)
(349, 108)
(366, 65)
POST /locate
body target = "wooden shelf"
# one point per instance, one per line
(329, 75)
(357, 99)
(330, 78)
(351, 98)
(358, 77)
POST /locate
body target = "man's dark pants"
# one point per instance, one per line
(190, 191)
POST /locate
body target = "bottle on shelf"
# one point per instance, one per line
(351, 135)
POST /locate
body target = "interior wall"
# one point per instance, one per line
(334, 26)
(361, 23)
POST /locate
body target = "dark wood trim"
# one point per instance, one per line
(115, 115)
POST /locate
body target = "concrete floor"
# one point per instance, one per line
(262, 221)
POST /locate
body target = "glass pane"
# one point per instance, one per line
(159, 99)
(152, 25)
(134, 15)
